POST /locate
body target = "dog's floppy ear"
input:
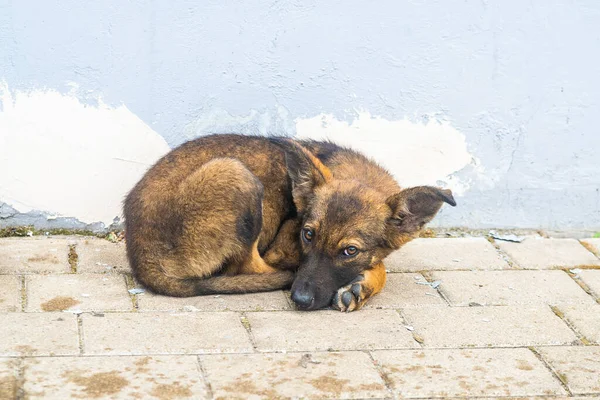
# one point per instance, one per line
(306, 171)
(412, 208)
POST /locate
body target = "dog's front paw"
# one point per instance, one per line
(351, 297)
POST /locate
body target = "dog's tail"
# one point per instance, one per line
(159, 283)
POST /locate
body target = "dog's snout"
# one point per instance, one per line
(303, 297)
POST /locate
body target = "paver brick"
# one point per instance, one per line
(38, 334)
(149, 377)
(329, 330)
(85, 292)
(578, 365)
(100, 256)
(236, 302)
(446, 254)
(585, 319)
(8, 378)
(276, 376)
(10, 293)
(591, 277)
(488, 326)
(466, 372)
(402, 290)
(516, 287)
(34, 255)
(164, 333)
(536, 253)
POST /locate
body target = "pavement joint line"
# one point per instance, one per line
(73, 258)
(415, 335)
(289, 301)
(428, 278)
(560, 377)
(582, 285)
(25, 356)
(589, 248)
(246, 324)
(204, 377)
(512, 264)
(64, 273)
(80, 340)
(557, 311)
(384, 377)
(130, 284)
(23, 293)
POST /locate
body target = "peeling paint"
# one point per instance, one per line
(70, 159)
(416, 153)
(276, 121)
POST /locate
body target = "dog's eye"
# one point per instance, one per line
(350, 251)
(307, 234)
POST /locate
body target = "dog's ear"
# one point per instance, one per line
(414, 207)
(306, 171)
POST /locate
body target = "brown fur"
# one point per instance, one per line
(225, 213)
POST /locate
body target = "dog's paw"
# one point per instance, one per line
(351, 297)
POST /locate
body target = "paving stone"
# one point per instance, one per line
(329, 330)
(164, 333)
(446, 254)
(488, 326)
(85, 292)
(149, 377)
(493, 288)
(243, 302)
(38, 334)
(585, 319)
(534, 253)
(592, 245)
(8, 378)
(466, 372)
(10, 293)
(402, 290)
(278, 376)
(591, 277)
(101, 256)
(34, 255)
(579, 366)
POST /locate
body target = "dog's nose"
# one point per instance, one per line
(303, 299)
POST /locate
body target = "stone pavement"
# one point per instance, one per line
(460, 317)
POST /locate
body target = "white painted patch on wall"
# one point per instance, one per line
(61, 156)
(415, 153)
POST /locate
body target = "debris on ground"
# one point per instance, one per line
(575, 272)
(136, 291)
(305, 359)
(506, 237)
(433, 285)
(190, 308)
(409, 327)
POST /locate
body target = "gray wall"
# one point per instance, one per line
(520, 80)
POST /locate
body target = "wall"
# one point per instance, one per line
(496, 100)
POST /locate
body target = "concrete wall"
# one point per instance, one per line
(497, 100)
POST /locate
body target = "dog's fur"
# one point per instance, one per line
(238, 214)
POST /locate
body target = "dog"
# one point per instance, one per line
(229, 213)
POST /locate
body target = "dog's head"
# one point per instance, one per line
(348, 227)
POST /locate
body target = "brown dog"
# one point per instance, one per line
(238, 214)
